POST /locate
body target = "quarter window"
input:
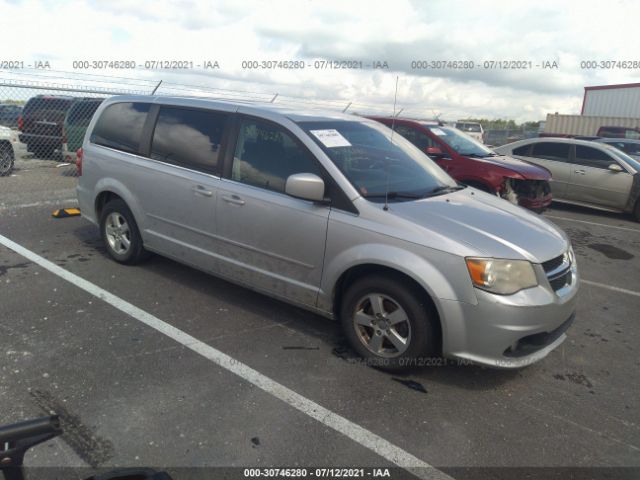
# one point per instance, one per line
(120, 126)
(188, 137)
(556, 151)
(266, 155)
(592, 157)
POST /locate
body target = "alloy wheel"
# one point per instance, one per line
(382, 325)
(118, 233)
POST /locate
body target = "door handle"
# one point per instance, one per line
(200, 190)
(579, 172)
(234, 199)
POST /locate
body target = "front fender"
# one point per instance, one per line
(455, 285)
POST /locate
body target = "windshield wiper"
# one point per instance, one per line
(444, 189)
(391, 195)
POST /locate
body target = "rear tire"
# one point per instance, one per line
(389, 322)
(120, 233)
(6, 160)
(636, 211)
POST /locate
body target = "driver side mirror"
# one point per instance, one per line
(614, 167)
(434, 152)
(306, 186)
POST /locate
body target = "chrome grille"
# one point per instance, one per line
(558, 271)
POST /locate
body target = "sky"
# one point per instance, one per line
(397, 32)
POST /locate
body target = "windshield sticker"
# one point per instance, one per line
(440, 132)
(331, 138)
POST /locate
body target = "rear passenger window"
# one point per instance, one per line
(188, 137)
(266, 155)
(551, 151)
(592, 157)
(120, 126)
(524, 150)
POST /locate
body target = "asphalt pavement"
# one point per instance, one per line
(133, 395)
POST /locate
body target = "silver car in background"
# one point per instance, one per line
(587, 173)
(333, 213)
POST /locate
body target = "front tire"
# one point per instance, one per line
(120, 233)
(389, 322)
(636, 211)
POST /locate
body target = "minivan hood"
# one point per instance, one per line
(491, 226)
(525, 169)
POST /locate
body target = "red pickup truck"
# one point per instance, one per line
(472, 163)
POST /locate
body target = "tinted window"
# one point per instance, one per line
(592, 157)
(551, 151)
(188, 137)
(120, 126)
(524, 150)
(81, 112)
(38, 105)
(418, 138)
(266, 155)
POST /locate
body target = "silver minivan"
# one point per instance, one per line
(334, 213)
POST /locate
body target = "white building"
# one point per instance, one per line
(612, 100)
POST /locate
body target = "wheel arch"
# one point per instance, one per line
(356, 272)
(110, 189)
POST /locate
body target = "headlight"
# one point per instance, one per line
(499, 276)
(572, 255)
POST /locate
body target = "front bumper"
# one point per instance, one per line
(539, 203)
(509, 331)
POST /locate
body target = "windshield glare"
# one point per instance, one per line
(459, 141)
(628, 148)
(632, 162)
(374, 163)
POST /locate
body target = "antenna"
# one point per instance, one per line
(157, 86)
(393, 124)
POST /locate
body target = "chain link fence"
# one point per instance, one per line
(45, 120)
(495, 138)
(45, 116)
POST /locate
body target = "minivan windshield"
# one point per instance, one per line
(461, 143)
(377, 165)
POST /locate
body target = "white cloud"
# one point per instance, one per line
(396, 31)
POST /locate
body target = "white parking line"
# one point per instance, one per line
(355, 432)
(610, 287)
(637, 230)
